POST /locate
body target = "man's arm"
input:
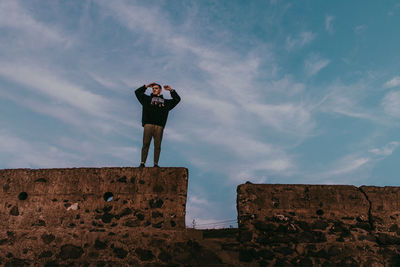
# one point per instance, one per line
(140, 93)
(175, 97)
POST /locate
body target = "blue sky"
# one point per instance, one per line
(272, 91)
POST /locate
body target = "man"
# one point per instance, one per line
(154, 117)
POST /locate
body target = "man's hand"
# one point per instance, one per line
(167, 87)
(150, 85)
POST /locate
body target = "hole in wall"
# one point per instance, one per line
(108, 196)
(23, 196)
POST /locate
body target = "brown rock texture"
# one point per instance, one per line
(319, 225)
(88, 214)
(77, 198)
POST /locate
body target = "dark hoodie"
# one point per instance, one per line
(156, 108)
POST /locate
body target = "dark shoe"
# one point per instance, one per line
(142, 165)
(156, 166)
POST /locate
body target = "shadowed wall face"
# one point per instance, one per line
(319, 224)
(300, 201)
(93, 199)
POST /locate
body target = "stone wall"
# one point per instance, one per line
(136, 217)
(63, 214)
(319, 225)
(77, 198)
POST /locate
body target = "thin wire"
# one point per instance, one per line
(218, 222)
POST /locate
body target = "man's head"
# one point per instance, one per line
(156, 89)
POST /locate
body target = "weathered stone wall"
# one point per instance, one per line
(76, 198)
(312, 225)
(385, 207)
(63, 214)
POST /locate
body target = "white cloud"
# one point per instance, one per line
(328, 24)
(62, 113)
(360, 28)
(349, 169)
(48, 83)
(97, 149)
(314, 63)
(242, 144)
(345, 105)
(13, 15)
(20, 153)
(288, 118)
(394, 9)
(394, 82)
(47, 92)
(132, 16)
(286, 86)
(354, 167)
(346, 100)
(349, 165)
(301, 40)
(66, 152)
(386, 150)
(106, 82)
(391, 103)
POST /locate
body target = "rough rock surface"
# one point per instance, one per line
(319, 225)
(77, 198)
(60, 216)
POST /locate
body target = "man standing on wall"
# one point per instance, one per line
(154, 117)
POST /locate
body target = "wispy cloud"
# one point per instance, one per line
(329, 24)
(90, 149)
(386, 150)
(16, 17)
(314, 63)
(48, 84)
(300, 40)
(60, 152)
(355, 167)
(349, 166)
(394, 82)
(286, 118)
(62, 113)
(347, 100)
(287, 86)
(391, 103)
(25, 153)
(360, 28)
(393, 10)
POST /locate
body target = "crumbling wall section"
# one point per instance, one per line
(317, 225)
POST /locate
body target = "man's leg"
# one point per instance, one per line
(147, 134)
(158, 134)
